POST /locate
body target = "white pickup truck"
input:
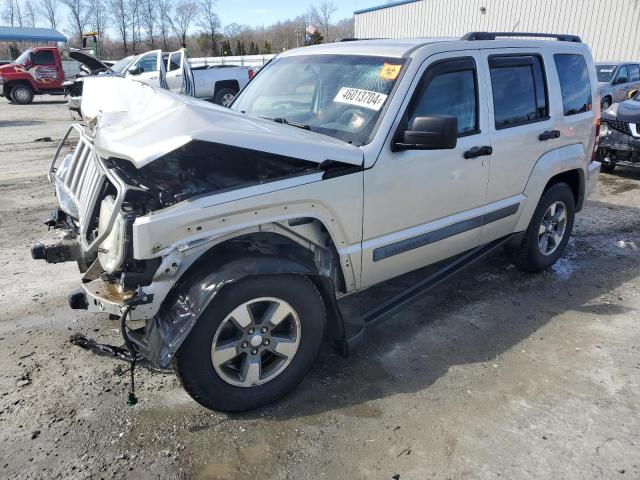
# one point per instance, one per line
(216, 83)
(231, 232)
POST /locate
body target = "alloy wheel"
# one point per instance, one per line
(256, 342)
(553, 227)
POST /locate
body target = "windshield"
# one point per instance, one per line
(605, 72)
(22, 59)
(336, 95)
(120, 65)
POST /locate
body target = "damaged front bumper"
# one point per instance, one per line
(620, 144)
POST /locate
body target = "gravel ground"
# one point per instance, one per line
(500, 374)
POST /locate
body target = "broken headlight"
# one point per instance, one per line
(111, 251)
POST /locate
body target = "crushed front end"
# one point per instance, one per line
(92, 225)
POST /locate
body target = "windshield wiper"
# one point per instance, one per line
(284, 121)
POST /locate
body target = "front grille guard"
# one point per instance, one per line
(83, 181)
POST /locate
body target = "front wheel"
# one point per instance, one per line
(606, 103)
(607, 167)
(548, 232)
(22, 94)
(253, 344)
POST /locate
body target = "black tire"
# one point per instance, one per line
(605, 103)
(7, 94)
(607, 167)
(527, 255)
(22, 94)
(222, 96)
(193, 364)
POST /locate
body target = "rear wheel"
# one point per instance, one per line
(224, 96)
(253, 344)
(22, 94)
(548, 232)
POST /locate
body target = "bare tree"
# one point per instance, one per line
(149, 18)
(210, 23)
(344, 28)
(164, 11)
(184, 13)
(321, 15)
(11, 12)
(80, 11)
(136, 34)
(48, 9)
(98, 23)
(29, 14)
(120, 15)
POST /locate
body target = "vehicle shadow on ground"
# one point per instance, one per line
(475, 317)
(624, 172)
(40, 102)
(20, 123)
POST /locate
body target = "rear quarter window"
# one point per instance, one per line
(575, 85)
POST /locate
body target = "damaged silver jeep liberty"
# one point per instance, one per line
(222, 238)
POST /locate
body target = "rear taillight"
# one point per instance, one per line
(251, 74)
(597, 141)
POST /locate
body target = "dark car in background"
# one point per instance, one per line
(620, 134)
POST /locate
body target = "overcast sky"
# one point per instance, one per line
(266, 12)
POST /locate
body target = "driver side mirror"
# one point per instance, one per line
(436, 132)
(135, 70)
(621, 80)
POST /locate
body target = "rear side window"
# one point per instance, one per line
(575, 85)
(634, 73)
(449, 88)
(44, 57)
(519, 90)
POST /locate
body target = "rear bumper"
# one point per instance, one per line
(592, 180)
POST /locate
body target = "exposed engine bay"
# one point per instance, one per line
(201, 167)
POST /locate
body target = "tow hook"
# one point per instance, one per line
(65, 250)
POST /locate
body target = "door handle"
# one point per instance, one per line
(549, 135)
(478, 152)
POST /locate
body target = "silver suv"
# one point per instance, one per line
(615, 81)
(230, 233)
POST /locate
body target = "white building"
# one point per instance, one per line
(610, 27)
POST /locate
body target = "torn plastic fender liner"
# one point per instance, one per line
(243, 257)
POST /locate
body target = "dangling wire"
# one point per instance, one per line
(132, 400)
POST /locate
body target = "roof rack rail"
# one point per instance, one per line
(493, 35)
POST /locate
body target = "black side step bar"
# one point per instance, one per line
(395, 304)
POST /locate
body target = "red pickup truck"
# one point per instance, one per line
(38, 70)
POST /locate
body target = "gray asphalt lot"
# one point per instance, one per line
(498, 374)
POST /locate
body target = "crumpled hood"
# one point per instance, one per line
(141, 123)
(628, 111)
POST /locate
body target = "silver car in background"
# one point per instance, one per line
(616, 80)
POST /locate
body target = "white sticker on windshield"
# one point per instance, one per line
(361, 98)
